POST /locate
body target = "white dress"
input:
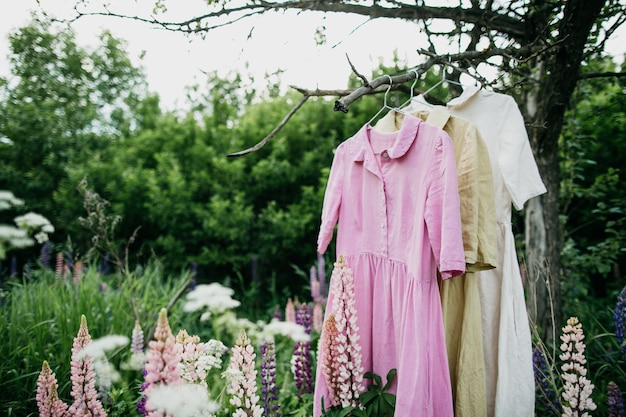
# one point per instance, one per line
(507, 341)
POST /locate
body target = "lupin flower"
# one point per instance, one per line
(328, 354)
(162, 362)
(48, 401)
(615, 400)
(350, 370)
(544, 386)
(44, 256)
(197, 358)
(269, 389)
(137, 339)
(321, 277)
(58, 272)
(619, 319)
(315, 284)
(318, 317)
(137, 357)
(301, 359)
(290, 311)
(302, 368)
(83, 377)
(78, 272)
(577, 388)
(242, 379)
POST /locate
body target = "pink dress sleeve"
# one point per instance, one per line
(442, 212)
(332, 201)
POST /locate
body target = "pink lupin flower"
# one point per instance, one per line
(83, 377)
(162, 361)
(577, 388)
(349, 361)
(328, 353)
(241, 374)
(78, 272)
(318, 317)
(47, 397)
(58, 271)
(198, 358)
(290, 311)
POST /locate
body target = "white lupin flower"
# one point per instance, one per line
(577, 389)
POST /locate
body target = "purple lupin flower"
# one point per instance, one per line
(269, 389)
(544, 386)
(277, 314)
(105, 268)
(301, 360)
(321, 277)
(13, 273)
(615, 400)
(44, 256)
(619, 319)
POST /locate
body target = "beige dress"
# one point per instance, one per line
(460, 296)
(507, 341)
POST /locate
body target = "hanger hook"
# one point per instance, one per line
(388, 88)
(414, 84)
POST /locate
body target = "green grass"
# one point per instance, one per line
(41, 317)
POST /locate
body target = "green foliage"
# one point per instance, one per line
(592, 197)
(375, 402)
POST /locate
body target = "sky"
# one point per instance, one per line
(282, 41)
(173, 61)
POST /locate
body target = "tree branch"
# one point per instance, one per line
(503, 23)
(273, 132)
(601, 75)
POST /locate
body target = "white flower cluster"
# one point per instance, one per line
(215, 297)
(284, 328)
(12, 237)
(8, 200)
(33, 222)
(97, 349)
(182, 400)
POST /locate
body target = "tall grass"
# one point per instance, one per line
(40, 317)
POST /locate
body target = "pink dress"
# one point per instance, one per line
(395, 199)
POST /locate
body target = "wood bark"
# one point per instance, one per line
(544, 106)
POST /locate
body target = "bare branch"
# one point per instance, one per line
(273, 132)
(469, 57)
(601, 75)
(501, 22)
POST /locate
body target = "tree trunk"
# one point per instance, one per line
(544, 106)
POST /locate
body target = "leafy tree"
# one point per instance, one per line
(60, 107)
